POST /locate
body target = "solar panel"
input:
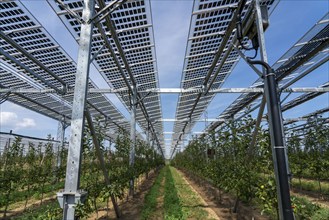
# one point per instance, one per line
(303, 98)
(308, 53)
(210, 21)
(133, 25)
(18, 24)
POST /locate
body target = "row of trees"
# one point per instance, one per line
(117, 164)
(308, 151)
(23, 175)
(227, 159)
(29, 173)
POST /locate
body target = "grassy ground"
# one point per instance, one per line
(307, 184)
(311, 185)
(150, 203)
(171, 197)
(172, 204)
(191, 203)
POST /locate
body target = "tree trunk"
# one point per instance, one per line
(107, 207)
(320, 188)
(300, 183)
(236, 204)
(7, 202)
(42, 190)
(27, 196)
(95, 207)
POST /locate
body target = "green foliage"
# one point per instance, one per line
(309, 156)
(12, 173)
(33, 174)
(27, 172)
(235, 166)
(309, 151)
(246, 171)
(117, 164)
(321, 214)
(266, 193)
(303, 209)
(311, 185)
(49, 211)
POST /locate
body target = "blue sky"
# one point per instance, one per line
(171, 20)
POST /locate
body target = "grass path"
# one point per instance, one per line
(171, 197)
(153, 199)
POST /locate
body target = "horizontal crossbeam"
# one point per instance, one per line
(174, 90)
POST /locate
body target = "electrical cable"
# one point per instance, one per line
(240, 34)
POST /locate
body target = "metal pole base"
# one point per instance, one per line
(69, 200)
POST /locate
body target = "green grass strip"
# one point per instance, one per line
(311, 185)
(150, 202)
(172, 205)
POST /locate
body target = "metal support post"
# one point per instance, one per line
(152, 147)
(60, 137)
(278, 146)
(132, 138)
(258, 121)
(72, 195)
(275, 125)
(148, 143)
(101, 161)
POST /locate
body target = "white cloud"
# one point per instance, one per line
(11, 119)
(26, 123)
(8, 118)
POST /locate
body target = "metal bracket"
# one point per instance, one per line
(259, 73)
(106, 10)
(4, 97)
(75, 15)
(71, 198)
(142, 98)
(97, 53)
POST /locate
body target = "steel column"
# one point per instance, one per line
(258, 121)
(60, 145)
(275, 126)
(72, 194)
(132, 138)
(101, 160)
(148, 133)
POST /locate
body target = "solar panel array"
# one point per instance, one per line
(308, 53)
(133, 27)
(210, 20)
(318, 118)
(17, 23)
(133, 24)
